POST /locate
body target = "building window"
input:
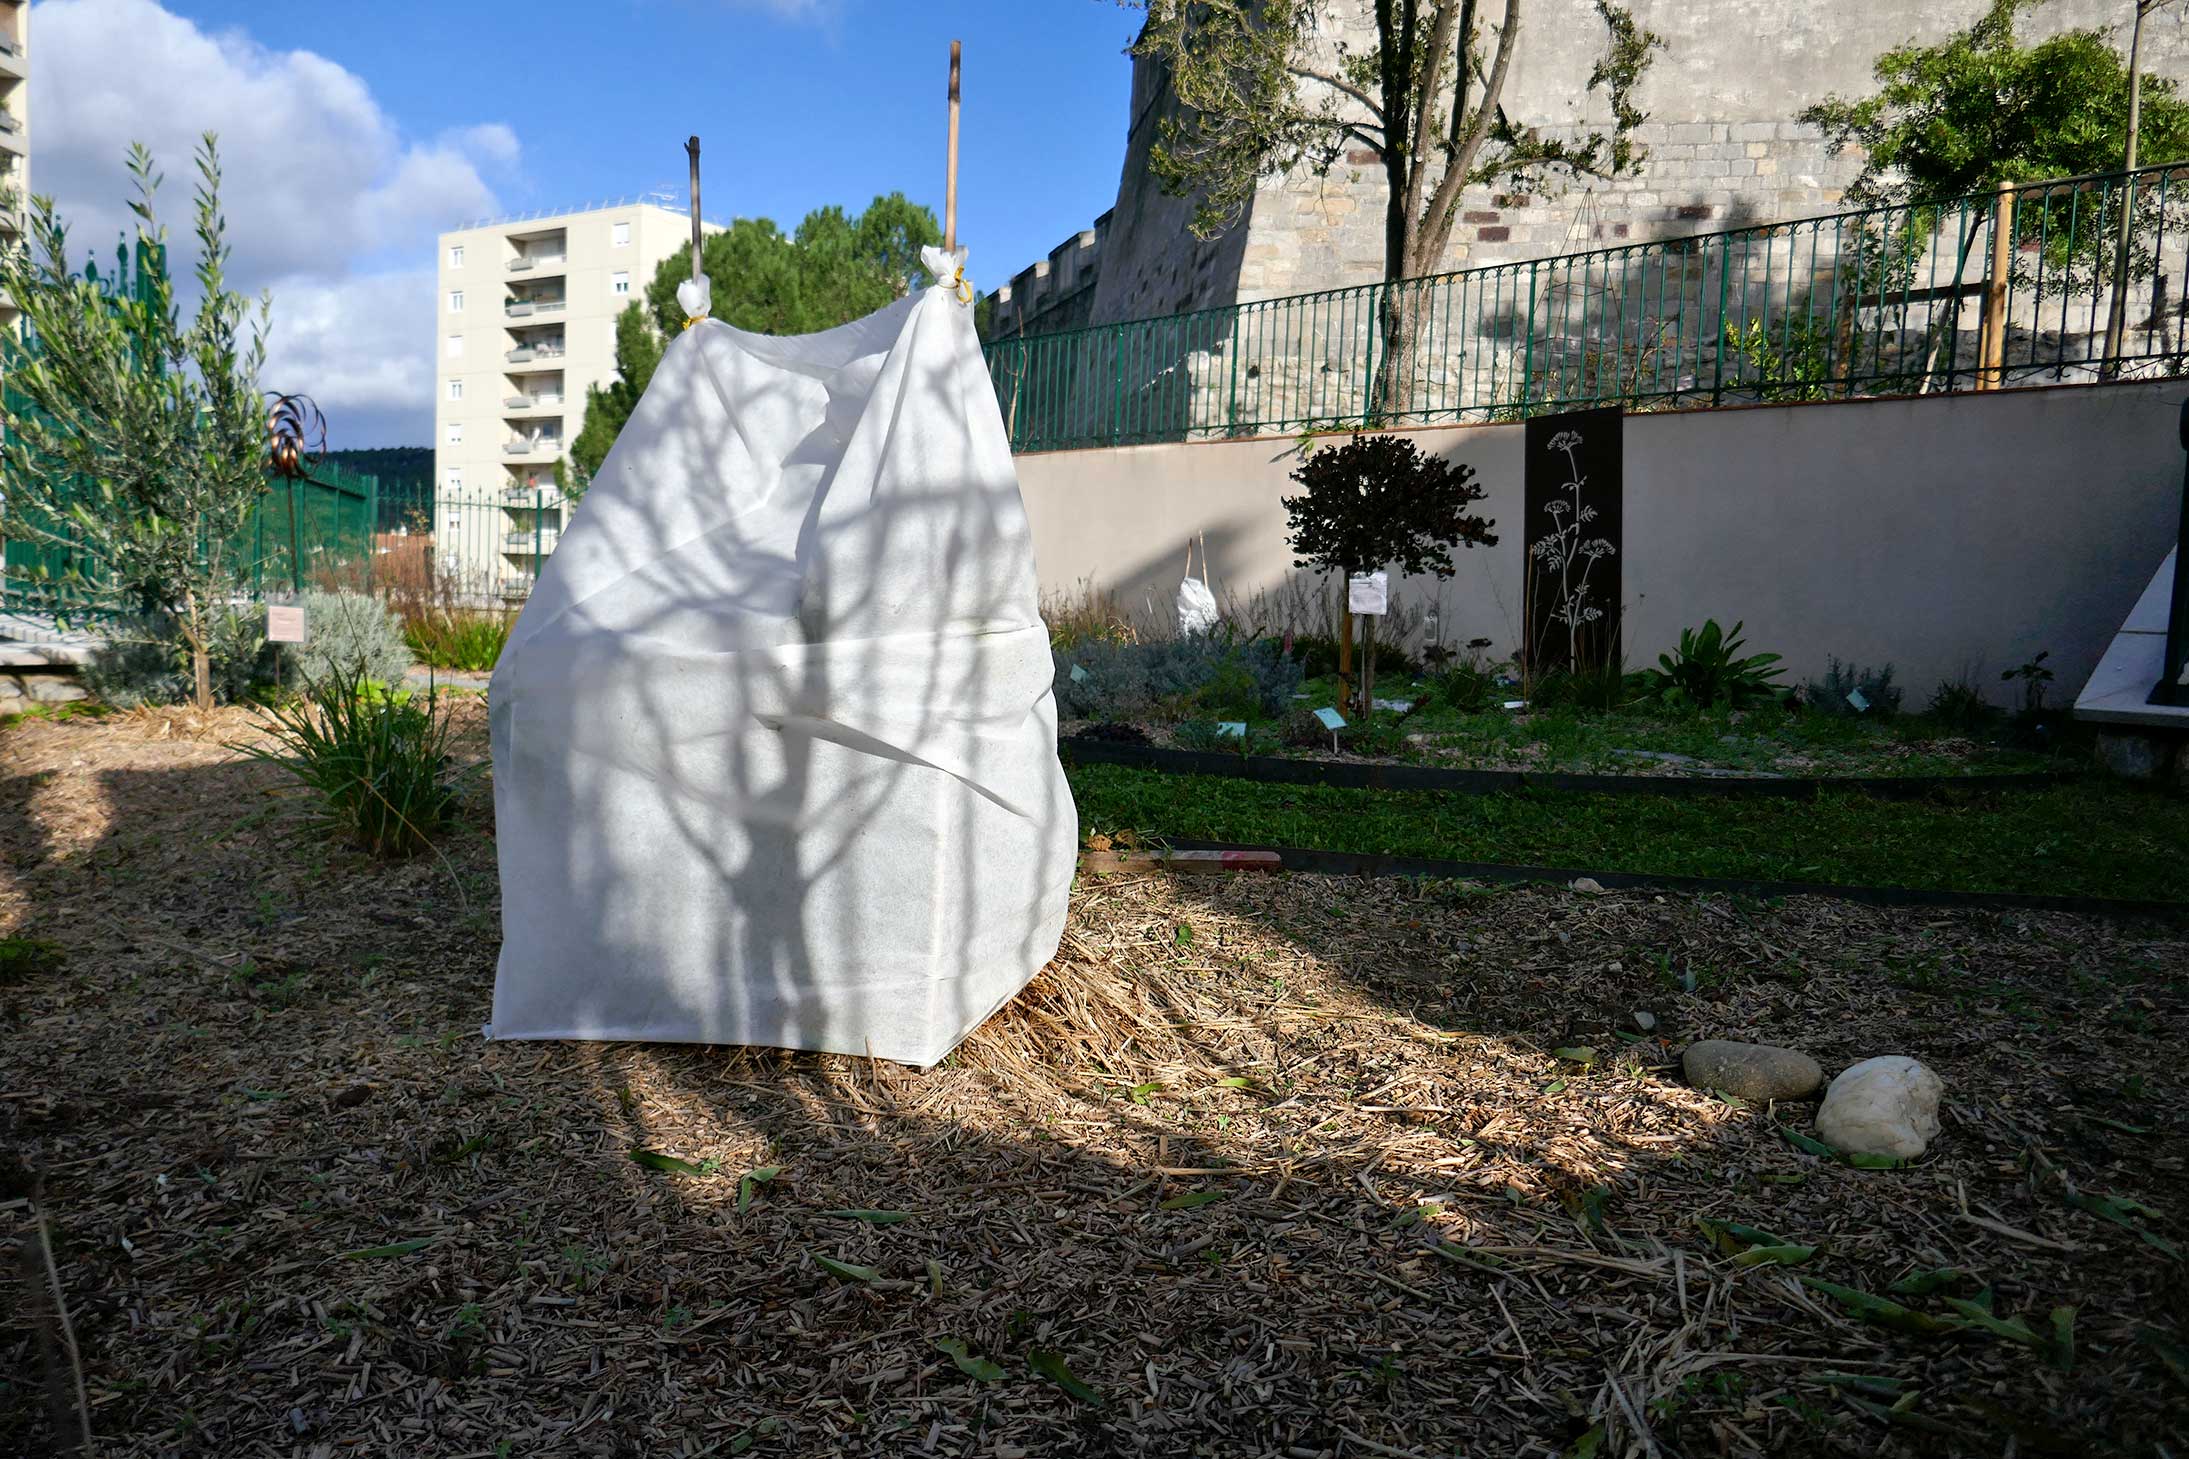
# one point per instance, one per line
(619, 234)
(455, 346)
(455, 433)
(455, 255)
(455, 479)
(456, 390)
(619, 282)
(456, 301)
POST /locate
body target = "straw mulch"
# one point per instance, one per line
(1264, 1166)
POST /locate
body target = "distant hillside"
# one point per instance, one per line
(409, 467)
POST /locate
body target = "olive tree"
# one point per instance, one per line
(133, 439)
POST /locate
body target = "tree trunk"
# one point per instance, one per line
(1399, 320)
(1345, 653)
(201, 662)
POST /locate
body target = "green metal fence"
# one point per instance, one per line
(1874, 302)
(482, 548)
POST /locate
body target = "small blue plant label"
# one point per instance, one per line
(1080, 675)
(1236, 728)
(1858, 699)
(1332, 720)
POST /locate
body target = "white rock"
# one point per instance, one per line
(1587, 886)
(1882, 1106)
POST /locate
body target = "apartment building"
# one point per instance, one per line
(14, 129)
(524, 323)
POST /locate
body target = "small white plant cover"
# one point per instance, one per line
(774, 748)
(1196, 601)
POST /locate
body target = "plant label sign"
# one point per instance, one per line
(1332, 720)
(1080, 675)
(1858, 699)
(284, 623)
(1235, 728)
(1368, 592)
(1573, 489)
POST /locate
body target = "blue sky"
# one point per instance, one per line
(355, 132)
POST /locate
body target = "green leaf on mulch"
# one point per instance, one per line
(968, 1364)
(393, 1248)
(1191, 1199)
(654, 1160)
(2171, 1353)
(1876, 1309)
(751, 1181)
(1811, 1145)
(872, 1218)
(2122, 1212)
(1906, 1418)
(1981, 1317)
(1731, 1237)
(1050, 1364)
(1236, 1081)
(1786, 1255)
(1588, 1446)
(1922, 1284)
(843, 1271)
(1581, 1054)
(1143, 1093)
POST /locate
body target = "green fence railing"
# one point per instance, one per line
(1881, 301)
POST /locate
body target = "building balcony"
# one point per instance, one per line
(526, 308)
(540, 263)
(11, 58)
(532, 446)
(11, 134)
(545, 357)
(515, 590)
(531, 404)
(524, 542)
(527, 498)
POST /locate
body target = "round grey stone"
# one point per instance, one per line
(1751, 1071)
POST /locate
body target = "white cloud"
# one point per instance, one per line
(329, 204)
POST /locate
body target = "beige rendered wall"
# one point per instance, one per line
(1943, 535)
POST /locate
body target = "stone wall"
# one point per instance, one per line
(1724, 147)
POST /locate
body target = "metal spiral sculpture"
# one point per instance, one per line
(296, 436)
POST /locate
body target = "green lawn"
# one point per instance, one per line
(2084, 838)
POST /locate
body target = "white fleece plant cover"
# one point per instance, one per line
(774, 749)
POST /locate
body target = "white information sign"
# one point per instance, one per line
(284, 623)
(1368, 592)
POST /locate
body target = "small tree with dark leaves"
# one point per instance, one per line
(1379, 502)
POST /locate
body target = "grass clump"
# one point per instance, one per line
(377, 759)
(467, 640)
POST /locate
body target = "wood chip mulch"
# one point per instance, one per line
(1277, 1165)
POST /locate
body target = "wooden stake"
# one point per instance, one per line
(691, 148)
(950, 183)
(1992, 347)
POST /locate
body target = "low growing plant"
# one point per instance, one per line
(1959, 705)
(1203, 676)
(1595, 688)
(1836, 692)
(351, 635)
(468, 640)
(376, 758)
(1709, 670)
